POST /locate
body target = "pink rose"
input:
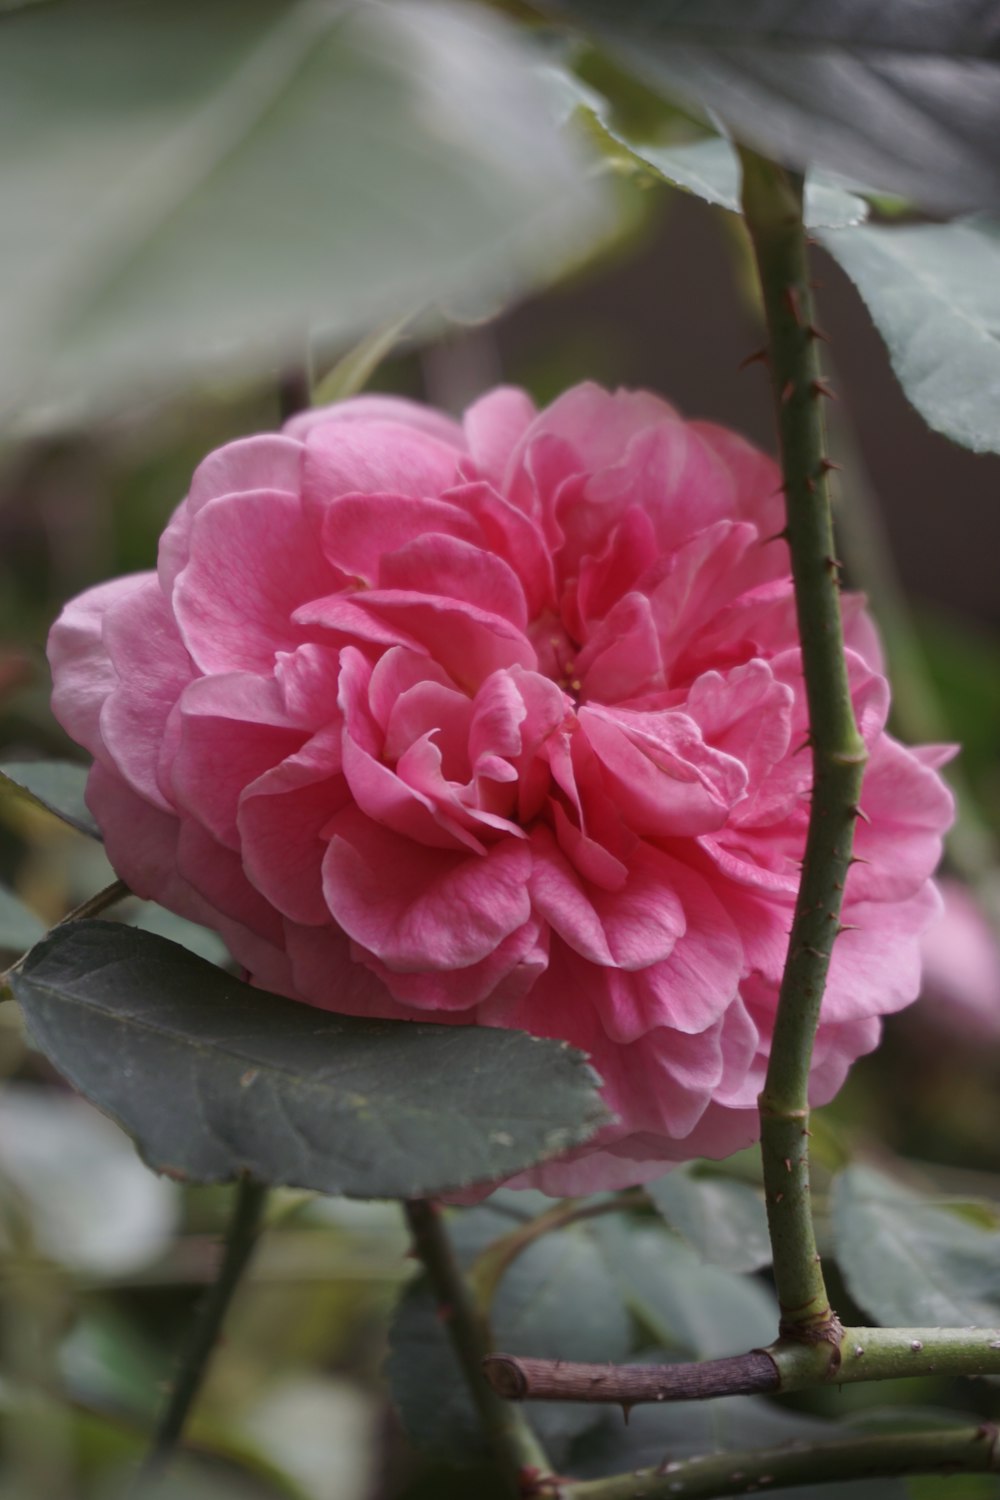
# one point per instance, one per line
(502, 721)
(962, 969)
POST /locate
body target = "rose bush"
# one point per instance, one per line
(503, 721)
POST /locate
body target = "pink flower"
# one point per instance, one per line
(502, 722)
(962, 969)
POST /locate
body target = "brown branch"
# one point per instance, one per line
(630, 1385)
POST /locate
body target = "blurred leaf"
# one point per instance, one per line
(353, 370)
(57, 785)
(723, 1220)
(189, 184)
(683, 1303)
(19, 927)
(908, 1260)
(933, 291)
(558, 1300)
(215, 1078)
(93, 1205)
(201, 940)
(904, 96)
(108, 1362)
(320, 1431)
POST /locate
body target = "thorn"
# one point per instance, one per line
(859, 812)
(791, 299)
(779, 536)
(833, 563)
(778, 1197)
(804, 745)
(626, 1410)
(820, 388)
(759, 356)
(817, 333)
(858, 859)
(828, 466)
(810, 484)
(847, 927)
(788, 392)
(788, 1163)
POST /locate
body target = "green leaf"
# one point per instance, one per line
(19, 927)
(200, 191)
(904, 96)
(214, 1078)
(933, 291)
(57, 785)
(683, 1303)
(710, 170)
(908, 1260)
(558, 1300)
(723, 1220)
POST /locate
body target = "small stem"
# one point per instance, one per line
(241, 1237)
(863, 1355)
(491, 1264)
(772, 204)
(518, 1452)
(92, 907)
(961, 1450)
(629, 1385)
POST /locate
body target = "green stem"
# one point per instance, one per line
(862, 1355)
(518, 1453)
(953, 1450)
(772, 204)
(241, 1237)
(493, 1263)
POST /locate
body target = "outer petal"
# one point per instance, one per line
(83, 673)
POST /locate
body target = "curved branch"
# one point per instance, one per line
(863, 1355)
(772, 205)
(952, 1450)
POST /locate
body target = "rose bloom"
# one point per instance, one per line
(503, 721)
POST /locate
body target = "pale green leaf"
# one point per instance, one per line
(933, 291)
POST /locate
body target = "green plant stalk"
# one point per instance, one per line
(952, 1450)
(862, 1355)
(241, 1237)
(772, 205)
(518, 1453)
(493, 1263)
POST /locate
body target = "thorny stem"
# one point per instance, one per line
(953, 1450)
(518, 1453)
(865, 1354)
(772, 205)
(241, 1237)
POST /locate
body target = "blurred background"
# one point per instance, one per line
(102, 1262)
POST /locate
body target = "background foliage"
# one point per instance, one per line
(186, 189)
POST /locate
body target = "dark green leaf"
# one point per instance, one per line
(558, 1300)
(684, 1304)
(910, 1260)
(933, 291)
(722, 1219)
(57, 785)
(189, 185)
(903, 96)
(214, 1078)
(19, 927)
